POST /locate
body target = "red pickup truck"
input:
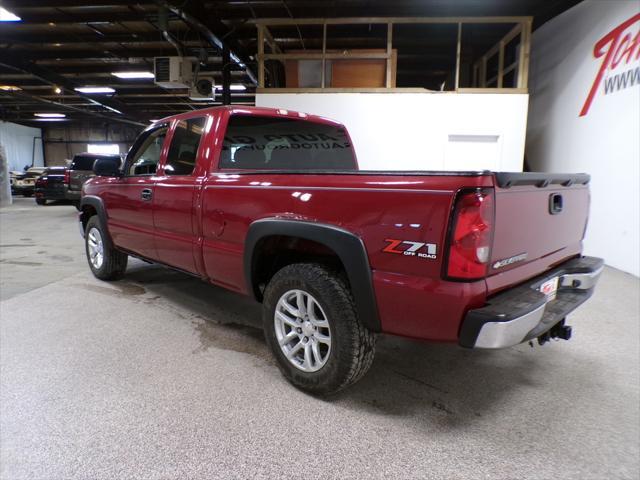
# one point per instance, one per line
(270, 203)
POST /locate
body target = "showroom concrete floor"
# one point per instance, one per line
(161, 376)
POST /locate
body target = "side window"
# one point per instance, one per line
(181, 159)
(145, 153)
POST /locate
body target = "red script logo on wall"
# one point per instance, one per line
(621, 43)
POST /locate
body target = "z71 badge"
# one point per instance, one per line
(411, 249)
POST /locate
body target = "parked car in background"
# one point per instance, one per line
(51, 186)
(81, 169)
(25, 183)
(13, 176)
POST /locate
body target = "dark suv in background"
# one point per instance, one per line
(51, 185)
(81, 169)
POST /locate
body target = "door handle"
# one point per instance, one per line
(146, 194)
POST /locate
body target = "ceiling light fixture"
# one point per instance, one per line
(94, 90)
(235, 87)
(133, 75)
(50, 115)
(7, 16)
(9, 88)
(57, 90)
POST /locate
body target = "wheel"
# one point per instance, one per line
(310, 323)
(41, 201)
(77, 205)
(105, 262)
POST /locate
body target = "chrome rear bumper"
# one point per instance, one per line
(523, 312)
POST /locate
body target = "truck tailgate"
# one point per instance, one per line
(78, 177)
(540, 220)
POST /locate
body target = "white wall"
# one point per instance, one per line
(422, 131)
(18, 145)
(605, 141)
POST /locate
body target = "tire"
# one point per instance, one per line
(77, 205)
(351, 348)
(112, 264)
(41, 201)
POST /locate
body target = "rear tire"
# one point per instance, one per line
(105, 262)
(41, 201)
(311, 325)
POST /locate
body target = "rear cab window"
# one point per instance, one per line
(270, 143)
(82, 162)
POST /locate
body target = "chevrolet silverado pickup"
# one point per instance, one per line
(271, 203)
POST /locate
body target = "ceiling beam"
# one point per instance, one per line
(41, 54)
(70, 18)
(24, 4)
(213, 30)
(66, 106)
(55, 79)
(66, 38)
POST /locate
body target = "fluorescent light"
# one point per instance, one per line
(95, 90)
(130, 75)
(7, 16)
(50, 119)
(9, 88)
(235, 87)
(50, 115)
(112, 148)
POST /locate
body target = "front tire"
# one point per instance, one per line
(311, 325)
(41, 201)
(105, 262)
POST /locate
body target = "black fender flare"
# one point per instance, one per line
(98, 205)
(348, 247)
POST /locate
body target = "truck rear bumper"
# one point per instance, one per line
(524, 312)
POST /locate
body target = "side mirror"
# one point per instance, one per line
(105, 167)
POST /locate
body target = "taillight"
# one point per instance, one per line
(471, 235)
(67, 177)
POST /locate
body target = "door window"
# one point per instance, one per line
(181, 159)
(145, 154)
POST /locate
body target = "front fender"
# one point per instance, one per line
(98, 205)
